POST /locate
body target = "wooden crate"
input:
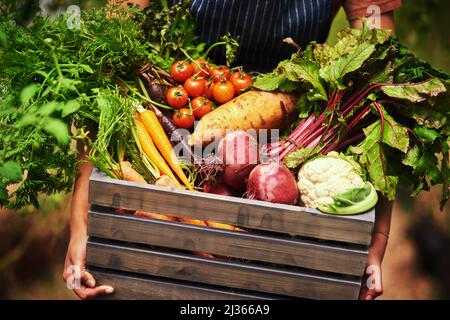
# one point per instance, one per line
(152, 259)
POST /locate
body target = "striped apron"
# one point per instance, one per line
(261, 26)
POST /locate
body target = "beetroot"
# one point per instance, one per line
(218, 188)
(272, 182)
(239, 152)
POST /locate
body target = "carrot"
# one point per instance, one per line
(150, 150)
(196, 222)
(155, 216)
(156, 131)
(251, 110)
(127, 172)
(223, 226)
(204, 254)
(123, 211)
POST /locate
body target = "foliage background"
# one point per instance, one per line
(33, 243)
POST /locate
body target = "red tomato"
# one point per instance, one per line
(177, 97)
(208, 90)
(201, 67)
(183, 118)
(223, 91)
(181, 71)
(201, 106)
(195, 86)
(219, 72)
(241, 81)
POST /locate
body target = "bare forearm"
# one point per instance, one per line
(80, 203)
(381, 230)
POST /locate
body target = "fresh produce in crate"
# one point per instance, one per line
(335, 184)
(239, 152)
(251, 110)
(272, 182)
(371, 98)
(205, 85)
(201, 106)
(367, 97)
(177, 97)
(183, 118)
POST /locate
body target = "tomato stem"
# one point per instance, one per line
(220, 43)
(193, 61)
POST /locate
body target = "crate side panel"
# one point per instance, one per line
(306, 254)
(131, 287)
(221, 273)
(254, 214)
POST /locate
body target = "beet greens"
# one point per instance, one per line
(370, 97)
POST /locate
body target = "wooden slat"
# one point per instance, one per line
(221, 273)
(108, 192)
(300, 253)
(131, 287)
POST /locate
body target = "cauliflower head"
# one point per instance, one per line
(320, 179)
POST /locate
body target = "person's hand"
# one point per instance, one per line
(75, 274)
(372, 285)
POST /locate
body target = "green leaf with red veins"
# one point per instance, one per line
(297, 157)
(348, 40)
(309, 73)
(394, 134)
(274, 81)
(334, 71)
(425, 115)
(372, 156)
(416, 92)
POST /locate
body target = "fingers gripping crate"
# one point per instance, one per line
(288, 251)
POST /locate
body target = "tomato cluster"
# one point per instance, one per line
(201, 87)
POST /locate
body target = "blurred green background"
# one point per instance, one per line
(417, 261)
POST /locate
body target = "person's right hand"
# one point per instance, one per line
(75, 274)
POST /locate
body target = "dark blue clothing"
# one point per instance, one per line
(261, 26)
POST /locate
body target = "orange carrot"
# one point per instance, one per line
(123, 211)
(155, 216)
(150, 150)
(223, 226)
(193, 221)
(127, 172)
(203, 254)
(162, 142)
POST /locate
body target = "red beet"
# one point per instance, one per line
(239, 152)
(272, 182)
(218, 188)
